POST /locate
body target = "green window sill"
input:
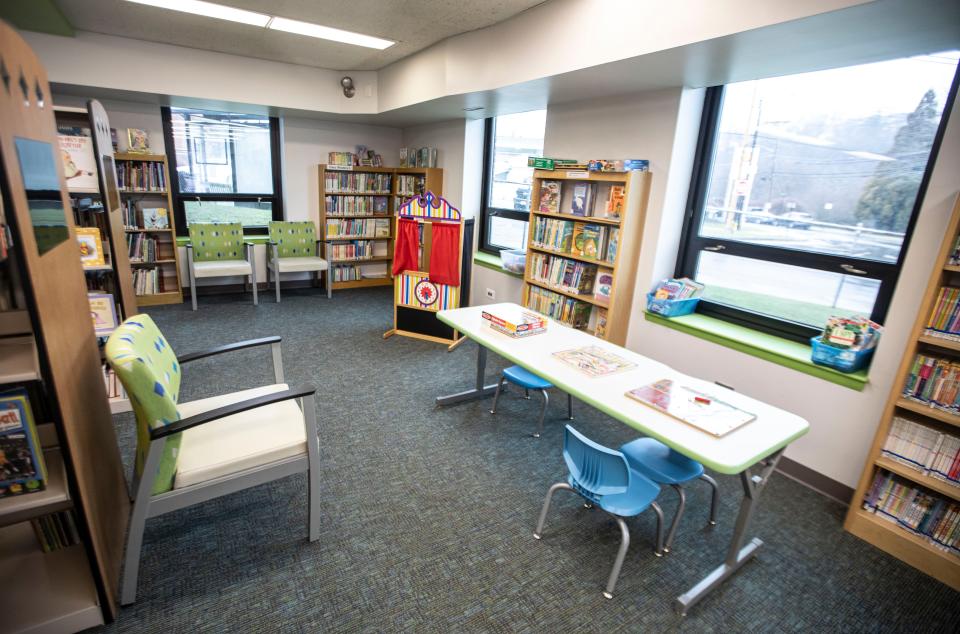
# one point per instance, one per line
(183, 241)
(490, 261)
(791, 354)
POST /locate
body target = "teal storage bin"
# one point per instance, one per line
(671, 307)
(840, 358)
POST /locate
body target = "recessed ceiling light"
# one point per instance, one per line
(211, 10)
(328, 33)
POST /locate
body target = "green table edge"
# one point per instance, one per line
(790, 354)
(493, 262)
(725, 469)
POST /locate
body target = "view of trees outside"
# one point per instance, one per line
(516, 137)
(827, 162)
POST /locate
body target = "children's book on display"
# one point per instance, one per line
(691, 406)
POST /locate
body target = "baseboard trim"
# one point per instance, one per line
(816, 481)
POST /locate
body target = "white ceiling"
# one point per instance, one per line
(413, 24)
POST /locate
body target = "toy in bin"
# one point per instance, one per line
(674, 297)
(846, 344)
(21, 463)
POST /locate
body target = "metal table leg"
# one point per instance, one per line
(479, 391)
(738, 554)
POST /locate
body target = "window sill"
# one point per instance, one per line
(183, 241)
(490, 261)
(790, 354)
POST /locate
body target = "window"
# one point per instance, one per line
(224, 167)
(507, 180)
(806, 189)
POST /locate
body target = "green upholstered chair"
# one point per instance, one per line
(294, 248)
(196, 451)
(218, 250)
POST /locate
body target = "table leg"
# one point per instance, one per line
(479, 391)
(738, 554)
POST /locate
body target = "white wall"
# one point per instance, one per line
(448, 138)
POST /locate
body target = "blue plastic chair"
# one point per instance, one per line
(603, 478)
(663, 465)
(529, 381)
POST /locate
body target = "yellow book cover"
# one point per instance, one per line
(91, 247)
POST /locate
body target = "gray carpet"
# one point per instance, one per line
(429, 512)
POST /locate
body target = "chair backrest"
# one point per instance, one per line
(595, 470)
(148, 369)
(216, 241)
(294, 239)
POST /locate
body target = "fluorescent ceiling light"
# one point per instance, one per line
(211, 10)
(328, 33)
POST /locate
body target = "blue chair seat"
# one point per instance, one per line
(525, 379)
(659, 462)
(634, 501)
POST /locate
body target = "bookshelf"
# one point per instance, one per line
(551, 250)
(43, 298)
(909, 429)
(354, 200)
(144, 181)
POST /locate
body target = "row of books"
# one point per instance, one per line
(147, 281)
(356, 182)
(141, 176)
(346, 273)
(359, 227)
(567, 310)
(135, 216)
(582, 199)
(55, 531)
(923, 448)
(354, 250)
(569, 275)
(140, 248)
(934, 381)
(112, 383)
(341, 158)
(422, 157)
(945, 318)
(592, 241)
(516, 322)
(411, 184)
(898, 500)
(356, 205)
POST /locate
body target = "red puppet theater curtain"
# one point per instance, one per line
(405, 251)
(445, 254)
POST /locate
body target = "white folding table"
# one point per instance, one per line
(751, 451)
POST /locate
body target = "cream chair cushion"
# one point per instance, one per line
(294, 264)
(249, 439)
(220, 268)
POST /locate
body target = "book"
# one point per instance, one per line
(610, 251)
(517, 335)
(581, 199)
(604, 285)
(550, 197)
(566, 310)
(587, 240)
(601, 329)
(79, 162)
(22, 469)
(155, 218)
(137, 141)
(91, 247)
(514, 320)
(103, 312)
(594, 361)
(615, 202)
(699, 409)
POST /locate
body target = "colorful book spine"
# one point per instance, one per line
(411, 184)
(921, 512)
(553, 234)
(141, 176)
(567, 310)
(945, 319)
(353, 250)
(923, 448)
(22, 469)
(356, 205)
(356, 182)
(343, 228)
(569, 275)
(934, 381)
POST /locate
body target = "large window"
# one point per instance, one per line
(510, 140)
(224, 167)
(806, 188)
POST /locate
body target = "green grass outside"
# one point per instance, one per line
(815, 315)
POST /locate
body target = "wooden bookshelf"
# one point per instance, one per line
(167, 260)
(629, 225)
(429, 179)
(916, 550)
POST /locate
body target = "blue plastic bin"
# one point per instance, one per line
(671, 307)
(839, 358)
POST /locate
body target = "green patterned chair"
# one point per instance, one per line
(218, 250)
(192, 452)
(294, 248)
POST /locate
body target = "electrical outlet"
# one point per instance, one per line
(491, 294)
